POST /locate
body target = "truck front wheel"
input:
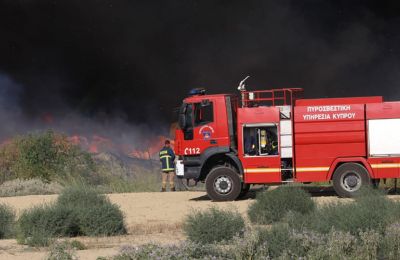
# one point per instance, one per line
(223, 184)
(349, 178)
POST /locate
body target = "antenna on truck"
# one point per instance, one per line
(242, 85)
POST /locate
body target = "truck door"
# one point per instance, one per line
(260, 153)
(200, 132)
(383, 146)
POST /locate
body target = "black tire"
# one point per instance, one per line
(245, 190)
(223, 184)
(349, 178)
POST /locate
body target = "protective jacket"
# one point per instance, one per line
(167, 158)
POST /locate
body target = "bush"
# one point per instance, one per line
(390, 245)
(41, 223)
(47, 156)
(7, 217)
(281, 242)
(62, 251)
(105, 220)
(81, 197)
(78, 245)
(370, 211)
(95, 213)
(181, 251)
(77, 211)
(277, 240)
(20, 187)
(271, 206)
(213, 225)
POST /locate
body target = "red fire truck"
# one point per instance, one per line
(276, 136)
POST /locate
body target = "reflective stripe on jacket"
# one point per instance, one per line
(167, 158)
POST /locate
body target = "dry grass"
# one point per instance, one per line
(146, 229)
(19, 187)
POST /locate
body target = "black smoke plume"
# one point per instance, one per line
(134, 61)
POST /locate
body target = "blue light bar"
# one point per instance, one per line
(197, 92)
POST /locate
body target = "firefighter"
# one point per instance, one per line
(167, 158)
(272, 143)
(249, 145)
(274, 147)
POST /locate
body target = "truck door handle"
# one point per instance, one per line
(213, 141)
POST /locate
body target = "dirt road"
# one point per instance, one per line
(150, 217)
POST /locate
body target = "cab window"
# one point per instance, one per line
(260, 141)
(203, 113)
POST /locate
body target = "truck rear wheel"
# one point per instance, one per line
(349, 178)
(223, 184)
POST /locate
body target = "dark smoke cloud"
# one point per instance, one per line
(136, 60)
(121, 136)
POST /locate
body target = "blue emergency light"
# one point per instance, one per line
(197, 92)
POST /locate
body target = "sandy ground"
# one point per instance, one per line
(150, 217)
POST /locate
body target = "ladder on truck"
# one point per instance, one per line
(273, 97)
(286, 143)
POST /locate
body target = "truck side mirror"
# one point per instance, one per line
(182, 122)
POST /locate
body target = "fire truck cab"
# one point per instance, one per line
(276, 136)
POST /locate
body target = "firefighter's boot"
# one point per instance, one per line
(164, 185)
(172, 185)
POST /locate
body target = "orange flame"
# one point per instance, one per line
(97, 144)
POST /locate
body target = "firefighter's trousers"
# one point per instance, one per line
(168, 177)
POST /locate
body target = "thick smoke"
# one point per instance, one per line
(111, 65)
(113, 133)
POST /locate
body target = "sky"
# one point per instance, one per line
(134, 61)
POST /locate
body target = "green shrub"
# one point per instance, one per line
(62, 251)
(38, 225)
(213, 225)
(81, 197)
(390, 244)
(96, 214)
(271, 206)
(105, 220)
(77, 211)
(369, 211)
(7, 217)
(78, 245)
(181, 251)
(277, 240)
(281, 242)
(280, 239)
(44, 155)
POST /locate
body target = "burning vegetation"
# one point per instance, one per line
(95, 160)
